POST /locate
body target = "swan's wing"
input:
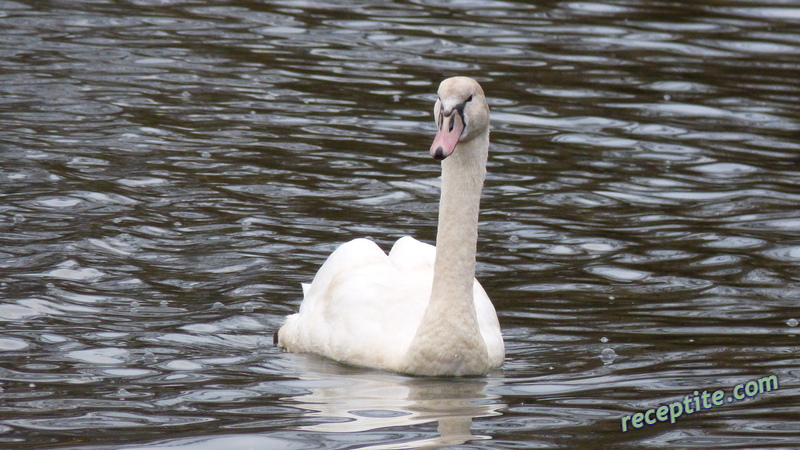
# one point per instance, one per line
(409, 254)
(489, 326)
(347, 258)
(360, 308)
(301, 333)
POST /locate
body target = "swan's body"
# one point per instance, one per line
(418, 310)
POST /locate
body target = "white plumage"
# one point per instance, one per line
(418, 310)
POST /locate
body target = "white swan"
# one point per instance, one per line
(418, 310)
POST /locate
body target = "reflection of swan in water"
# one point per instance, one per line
(366, 400)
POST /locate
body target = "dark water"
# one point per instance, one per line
(171, 171)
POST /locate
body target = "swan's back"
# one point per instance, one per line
(363, 307)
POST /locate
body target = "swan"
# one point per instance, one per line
(419, 310)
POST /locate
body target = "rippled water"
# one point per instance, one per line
(172, 170)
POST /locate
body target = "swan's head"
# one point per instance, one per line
(461, 114)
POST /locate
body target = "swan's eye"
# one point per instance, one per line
(469, 99)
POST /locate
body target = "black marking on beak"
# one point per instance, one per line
(460, 110)
(439, 154)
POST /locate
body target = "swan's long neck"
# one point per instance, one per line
(457, 235)
(448, 340)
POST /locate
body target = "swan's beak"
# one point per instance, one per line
(450, 129)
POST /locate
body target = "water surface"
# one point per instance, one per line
(172, 171)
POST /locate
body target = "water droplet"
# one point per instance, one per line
(19, 218)
(607, 356)
(217, 305)
(149, 358)
(134, 306)
(791, 322)
(122, 393)
(164, 304)
(248, 307)
(604, 339)
(611, 297)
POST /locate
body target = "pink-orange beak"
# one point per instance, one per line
(450, 129)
